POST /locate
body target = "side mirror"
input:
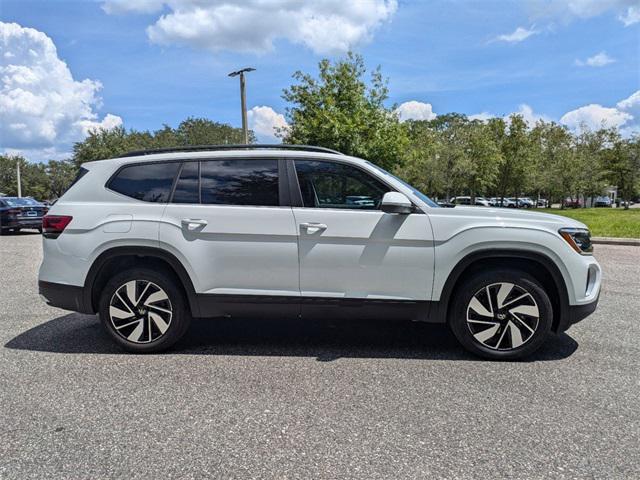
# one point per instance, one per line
(396, 202)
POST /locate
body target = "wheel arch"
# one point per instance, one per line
(540, 266)
(115, 258)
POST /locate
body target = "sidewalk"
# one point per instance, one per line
(616, 241)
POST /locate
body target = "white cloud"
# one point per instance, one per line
(482, 116)
(41, 105)
(566, 10)
(595, 116)
(265, 122)
(630, 103)
(631, 16)
(127, 6)
(518, 35)
(524, 110)
(326, 26)
(598, 60)
(529, 116)
(413, 110)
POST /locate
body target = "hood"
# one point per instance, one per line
(504, 217)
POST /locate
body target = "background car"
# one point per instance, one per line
(526, 202)
(602, 202)
(20, 212)
(464, 200)
(502, 202)
(542, 203)
(572, 202)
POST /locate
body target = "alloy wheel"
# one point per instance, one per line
(140, 311)
(502, 316)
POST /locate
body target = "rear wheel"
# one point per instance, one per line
(501, 314)
(143, 310)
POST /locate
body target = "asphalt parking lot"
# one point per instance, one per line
(284, 399)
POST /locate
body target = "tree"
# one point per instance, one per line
(421, 166)
(621, 165)
(482, 159)
(451, 130)
(339, 110)
(515, 144)
(554, 168)
(102, 143)
(61, 174)
(34, 179)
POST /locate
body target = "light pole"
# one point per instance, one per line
(243, 100)
(19, 179)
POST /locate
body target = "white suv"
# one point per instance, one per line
(151, 239)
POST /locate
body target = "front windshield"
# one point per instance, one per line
(417, 193)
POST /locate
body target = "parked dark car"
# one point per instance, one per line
(20, 212)
(602, 202)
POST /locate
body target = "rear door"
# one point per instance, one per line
(349, 248)
(227, 224)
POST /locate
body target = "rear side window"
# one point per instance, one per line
(188, 184)
(149, 182)
(239, 182)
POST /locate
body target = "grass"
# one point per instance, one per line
(606, 222)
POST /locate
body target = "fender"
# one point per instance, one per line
(138, 251)
(439, 310)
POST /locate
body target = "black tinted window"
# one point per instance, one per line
(335, 185)
(150, 182)
(240, 182)
(187, 187)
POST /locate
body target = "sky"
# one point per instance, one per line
(67, 67)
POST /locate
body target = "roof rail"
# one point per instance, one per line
(252, 146)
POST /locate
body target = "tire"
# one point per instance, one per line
(144, 310)
(39, 229)
(501, 314)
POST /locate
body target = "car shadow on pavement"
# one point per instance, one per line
(325, 340)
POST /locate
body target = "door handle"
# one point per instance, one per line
(313, 227)
(192, 224)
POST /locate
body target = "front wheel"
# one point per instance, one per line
(501, 314)
(143, 310)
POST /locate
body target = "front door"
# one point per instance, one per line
(349, 248)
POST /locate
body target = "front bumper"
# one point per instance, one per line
(579, 312)
(67, 297)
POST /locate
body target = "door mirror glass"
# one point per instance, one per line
(396, 202)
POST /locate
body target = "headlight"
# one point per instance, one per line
(578, 238)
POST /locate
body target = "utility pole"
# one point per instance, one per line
(243, 100)
(19, 182)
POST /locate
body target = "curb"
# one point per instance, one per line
(634, 242)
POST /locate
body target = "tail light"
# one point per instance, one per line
(13, 212)
(54, 225)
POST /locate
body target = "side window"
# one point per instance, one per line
(335, 185)
(150, 182)
(188, 184)
(240, 182)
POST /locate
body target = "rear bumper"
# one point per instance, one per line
(22, 222)
(67, 297)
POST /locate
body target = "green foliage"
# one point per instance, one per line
(451, 155)
(34, 178)
(607, 222)
(61, 174)
(102, 144)
(339, 110)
